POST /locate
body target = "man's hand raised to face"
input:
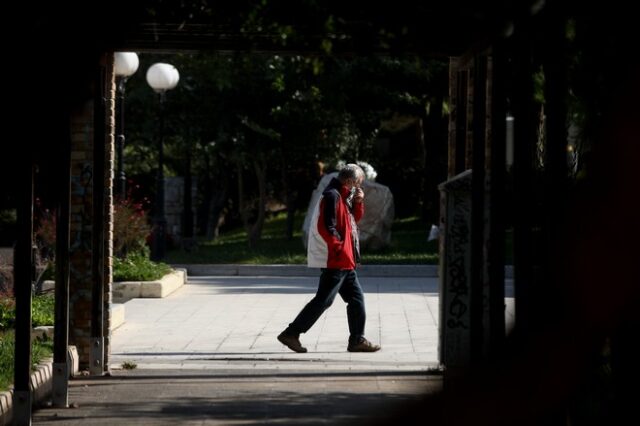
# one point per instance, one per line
(359, 196)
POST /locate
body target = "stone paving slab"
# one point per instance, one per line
(232, 322)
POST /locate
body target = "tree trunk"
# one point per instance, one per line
(187, 212)
(215, 213)
(291, 211)
(242, 209)
(203, 217)
(255, 231)
(290, 199)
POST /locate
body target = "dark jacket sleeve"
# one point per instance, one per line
(331, 199)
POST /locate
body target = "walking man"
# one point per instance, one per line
(333, 246)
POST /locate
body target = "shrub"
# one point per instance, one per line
(130, 228)
(46, 232)
(7, 313)
(8, 227)
(45, 236)
(42, 312)
(138, 267)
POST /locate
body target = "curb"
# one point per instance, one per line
(427, 271)
(40, 386)
(40, 383)
(45, 332)
(304, 271)
(123, 291)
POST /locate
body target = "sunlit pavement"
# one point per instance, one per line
(232, 322)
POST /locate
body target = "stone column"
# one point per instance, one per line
(455, 276)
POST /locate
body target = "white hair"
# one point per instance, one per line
(351, 171)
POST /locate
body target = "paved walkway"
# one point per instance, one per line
(208, 354)
(215, 322)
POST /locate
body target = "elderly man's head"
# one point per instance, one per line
(351, 175)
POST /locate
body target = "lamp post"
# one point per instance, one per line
(161, 77)
(125, 64)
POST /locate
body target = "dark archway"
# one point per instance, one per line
(443, 30)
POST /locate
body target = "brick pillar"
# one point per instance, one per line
(81, 228)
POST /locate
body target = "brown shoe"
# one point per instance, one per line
(363, 346)
(292, 342)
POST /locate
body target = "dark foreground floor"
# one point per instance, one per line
(229, 397)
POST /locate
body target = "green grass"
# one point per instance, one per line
(408, 246)
(40, 349)
(42, 310)
(42, 314)
(128, 365)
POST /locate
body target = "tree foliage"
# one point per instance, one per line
(256, 125)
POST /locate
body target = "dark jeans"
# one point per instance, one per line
(332, 282)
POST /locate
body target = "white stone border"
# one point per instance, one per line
(123, 291)
(40, 383)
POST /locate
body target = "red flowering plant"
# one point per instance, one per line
(45, 240)
(45, 224)
(131, 228)
(132, 232)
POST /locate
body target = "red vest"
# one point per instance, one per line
(331, 243)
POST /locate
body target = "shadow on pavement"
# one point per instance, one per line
(241, 397)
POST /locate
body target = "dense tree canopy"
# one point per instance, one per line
(264, 121)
